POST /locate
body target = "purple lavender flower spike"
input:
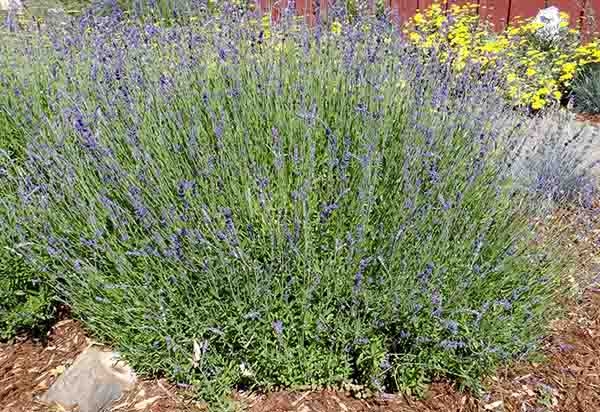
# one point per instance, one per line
(277, 327)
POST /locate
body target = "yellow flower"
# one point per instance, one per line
(569, 67)
(336, 28)
(530, 71)
(460, 65)
(557, 95)
(439, 21)
(565, 77)
(513, 31)
(418, 18)
(414, 37)
(429, 42)
(537, 103)
(543, 91)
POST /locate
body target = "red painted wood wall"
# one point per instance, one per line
(584, 14)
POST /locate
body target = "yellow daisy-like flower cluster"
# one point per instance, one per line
(538, 71)
(336, 28)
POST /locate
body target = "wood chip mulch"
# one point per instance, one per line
(28, 367)
(588, 117)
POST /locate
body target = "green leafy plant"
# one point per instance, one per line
(586, 90)
(26, 295)
(27, 303)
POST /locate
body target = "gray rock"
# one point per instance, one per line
(95, 380)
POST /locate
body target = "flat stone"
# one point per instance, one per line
(96, 379)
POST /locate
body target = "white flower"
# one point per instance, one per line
(551, 19)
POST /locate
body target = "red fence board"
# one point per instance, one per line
(277, 7)
(263, 5)
(496, 11)
(402, 10)
(526, 8)
(423, 4)
(591, 20)
(573, 7)
(305, 8)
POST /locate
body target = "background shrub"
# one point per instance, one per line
(586, 90)
(26, 297)
(229, 205)
(538, 71)
(556, 165)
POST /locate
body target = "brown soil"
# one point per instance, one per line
(588, 117)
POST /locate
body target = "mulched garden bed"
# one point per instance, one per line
(568, 379)
(588, 117)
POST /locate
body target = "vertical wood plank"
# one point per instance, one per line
(402, 10)
(573, 7)
(497, 12)
(592, 18)
(263, 6)
(584, 15)
(305, 8)
(277, 7)
(527, 8)
(425, 4)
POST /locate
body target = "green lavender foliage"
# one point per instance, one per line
(229, 204)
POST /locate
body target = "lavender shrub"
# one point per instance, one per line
(306, 207)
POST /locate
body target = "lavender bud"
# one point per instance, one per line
(358, 277)
(277, 327)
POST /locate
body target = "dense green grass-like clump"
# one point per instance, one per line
(234, 204)
(586, 90)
